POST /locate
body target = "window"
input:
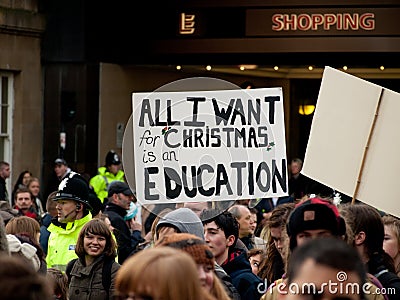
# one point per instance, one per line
(6, 109)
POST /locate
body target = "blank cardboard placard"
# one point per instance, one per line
(343, 123)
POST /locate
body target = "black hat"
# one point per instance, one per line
(112, 158)
(74, 187)
(117, 187)
(312, 214)
(60, 161)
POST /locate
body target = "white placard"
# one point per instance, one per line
(338, 153)
(209, 145)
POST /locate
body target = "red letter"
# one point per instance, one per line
(277, 23)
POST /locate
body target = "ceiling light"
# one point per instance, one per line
(242, 68)
(208, 68)
(276, 68)
(248, 67)
(178, 67)
(310, 68)
(345, 68)
(382, 68)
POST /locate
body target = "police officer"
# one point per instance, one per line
(73, 211)
(107, 174)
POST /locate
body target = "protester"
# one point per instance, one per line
(221, 233)
(273, 267)
(256, 256)
(326, 268)
(34, 187)
(25, 248)
(160, 273)
(203, 257)
(24, 203)
(22, 181)
(4, 174)
(368, 232)
(181, 220)
(246, 227)
(59, 283)
(128, 234)
(3, 239)
(19, 280)
(96, 251)
(24, 225)
(391, 242)
(46, 221)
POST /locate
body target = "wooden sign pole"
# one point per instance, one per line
(353, 200)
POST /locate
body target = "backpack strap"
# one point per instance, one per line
(106, 274)
(68, 270)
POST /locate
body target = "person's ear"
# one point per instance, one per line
(230, 240)
(359, 238)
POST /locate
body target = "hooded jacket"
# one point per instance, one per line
(184, 220)
(102, 180)
(246, 282)
(62, 242)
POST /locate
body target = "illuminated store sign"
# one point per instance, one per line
(340, 21)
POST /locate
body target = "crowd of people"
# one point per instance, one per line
(92, 239)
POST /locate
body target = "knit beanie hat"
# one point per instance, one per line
(184, 220)
(193, 245)
(27, 250)
(313, 214)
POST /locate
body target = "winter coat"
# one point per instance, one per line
(246, 282)
(127, 241)
(62, 241)
(86, 281)
(102, 180)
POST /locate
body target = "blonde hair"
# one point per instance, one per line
(160, 273)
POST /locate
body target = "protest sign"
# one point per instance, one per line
(209, 145)
(354, 140)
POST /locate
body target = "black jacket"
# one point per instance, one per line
(127, 241)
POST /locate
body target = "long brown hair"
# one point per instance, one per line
(272, 268)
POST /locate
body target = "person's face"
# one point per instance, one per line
(66, 211)
(196, 207)
(278, 238)
(325, 279)
(255, 261)
(253, 225)
(206, 275)
(60, 170)
(245, 222)
(295, 168)
(23, 201)
(215, 239)
(123, 200)
(34, 187)
(5, 172)
(307, 235)
(94, 244)
(26, 178)
(114, 169)
(108, 222)
(390, 242)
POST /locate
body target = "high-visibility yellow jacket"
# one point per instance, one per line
(102, 180)
(62, 242)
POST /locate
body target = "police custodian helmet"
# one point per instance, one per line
(74, 187)
(112, 158)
